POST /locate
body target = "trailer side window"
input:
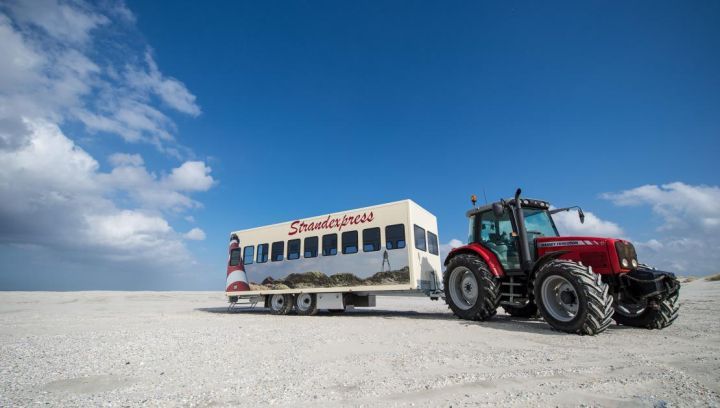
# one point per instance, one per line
(277, 251)
(349, 242)
(329, 244)
(420, 238)
(395, 236)
(293, 249)
(311, 247)
(432, 243)
(248, 255)
(371, 239)
(262, 253)
(235, 257)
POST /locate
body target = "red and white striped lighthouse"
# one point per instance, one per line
(236, 278)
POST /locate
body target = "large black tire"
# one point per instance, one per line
(582, 290)
(280, 304)
(529, 310)
(306, 304)
(651, 318)
(487, 288)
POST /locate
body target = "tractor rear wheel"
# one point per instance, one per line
(659, 317)
(471, 290)
(573, 299)
(529, 310)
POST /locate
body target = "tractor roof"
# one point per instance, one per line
(526, 202)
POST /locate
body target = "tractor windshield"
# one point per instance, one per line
(538, 223)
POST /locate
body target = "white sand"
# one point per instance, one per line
(150, 348)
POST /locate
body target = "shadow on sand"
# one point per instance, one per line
(499, 322)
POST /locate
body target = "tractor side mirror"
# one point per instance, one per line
(498, 210)
(581, 214)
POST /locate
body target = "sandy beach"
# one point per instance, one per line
(183, 348)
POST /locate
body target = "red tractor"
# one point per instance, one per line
(516, 259)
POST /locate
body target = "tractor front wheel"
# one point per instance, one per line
(648, 316)
(573, 299)
(471, 290)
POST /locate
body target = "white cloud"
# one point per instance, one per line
(688, 234)
(191, 176)
(447, 247)
(195, 234)
(55, 197)
(64, 22)
(170, 90)
(568, 223)
(54, 194)
(681, 206)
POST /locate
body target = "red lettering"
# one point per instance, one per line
(330, 223)
(293, 228)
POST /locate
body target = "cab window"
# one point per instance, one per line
(497, 235)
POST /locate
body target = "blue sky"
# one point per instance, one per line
(182, 121)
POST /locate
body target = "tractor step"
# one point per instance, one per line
(519, 303)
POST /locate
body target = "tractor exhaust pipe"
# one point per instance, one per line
(522, 233)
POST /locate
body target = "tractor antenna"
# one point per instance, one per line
(484, 195)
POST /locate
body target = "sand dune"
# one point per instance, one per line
(171, 348)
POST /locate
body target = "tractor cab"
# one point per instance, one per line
(498, 231)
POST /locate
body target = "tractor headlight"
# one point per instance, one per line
(626, 254)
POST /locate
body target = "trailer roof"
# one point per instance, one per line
(405, 201)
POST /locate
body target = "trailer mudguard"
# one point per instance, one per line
(476, 249)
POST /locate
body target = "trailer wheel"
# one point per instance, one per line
(660, 317)
(471, 291)
(573, 299)
(306, 304)
(529, 310)
(281, 304)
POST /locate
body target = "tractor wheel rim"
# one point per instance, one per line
(277, 302)
(463, 287)
(304, 301)
(559, 298)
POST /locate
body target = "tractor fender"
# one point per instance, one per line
(550, 256)
(485, 254)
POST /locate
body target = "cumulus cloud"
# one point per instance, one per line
(195, 234)
(568, 223)
(55, 195)
(687, 225)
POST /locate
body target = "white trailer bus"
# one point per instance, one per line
(336, 260)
